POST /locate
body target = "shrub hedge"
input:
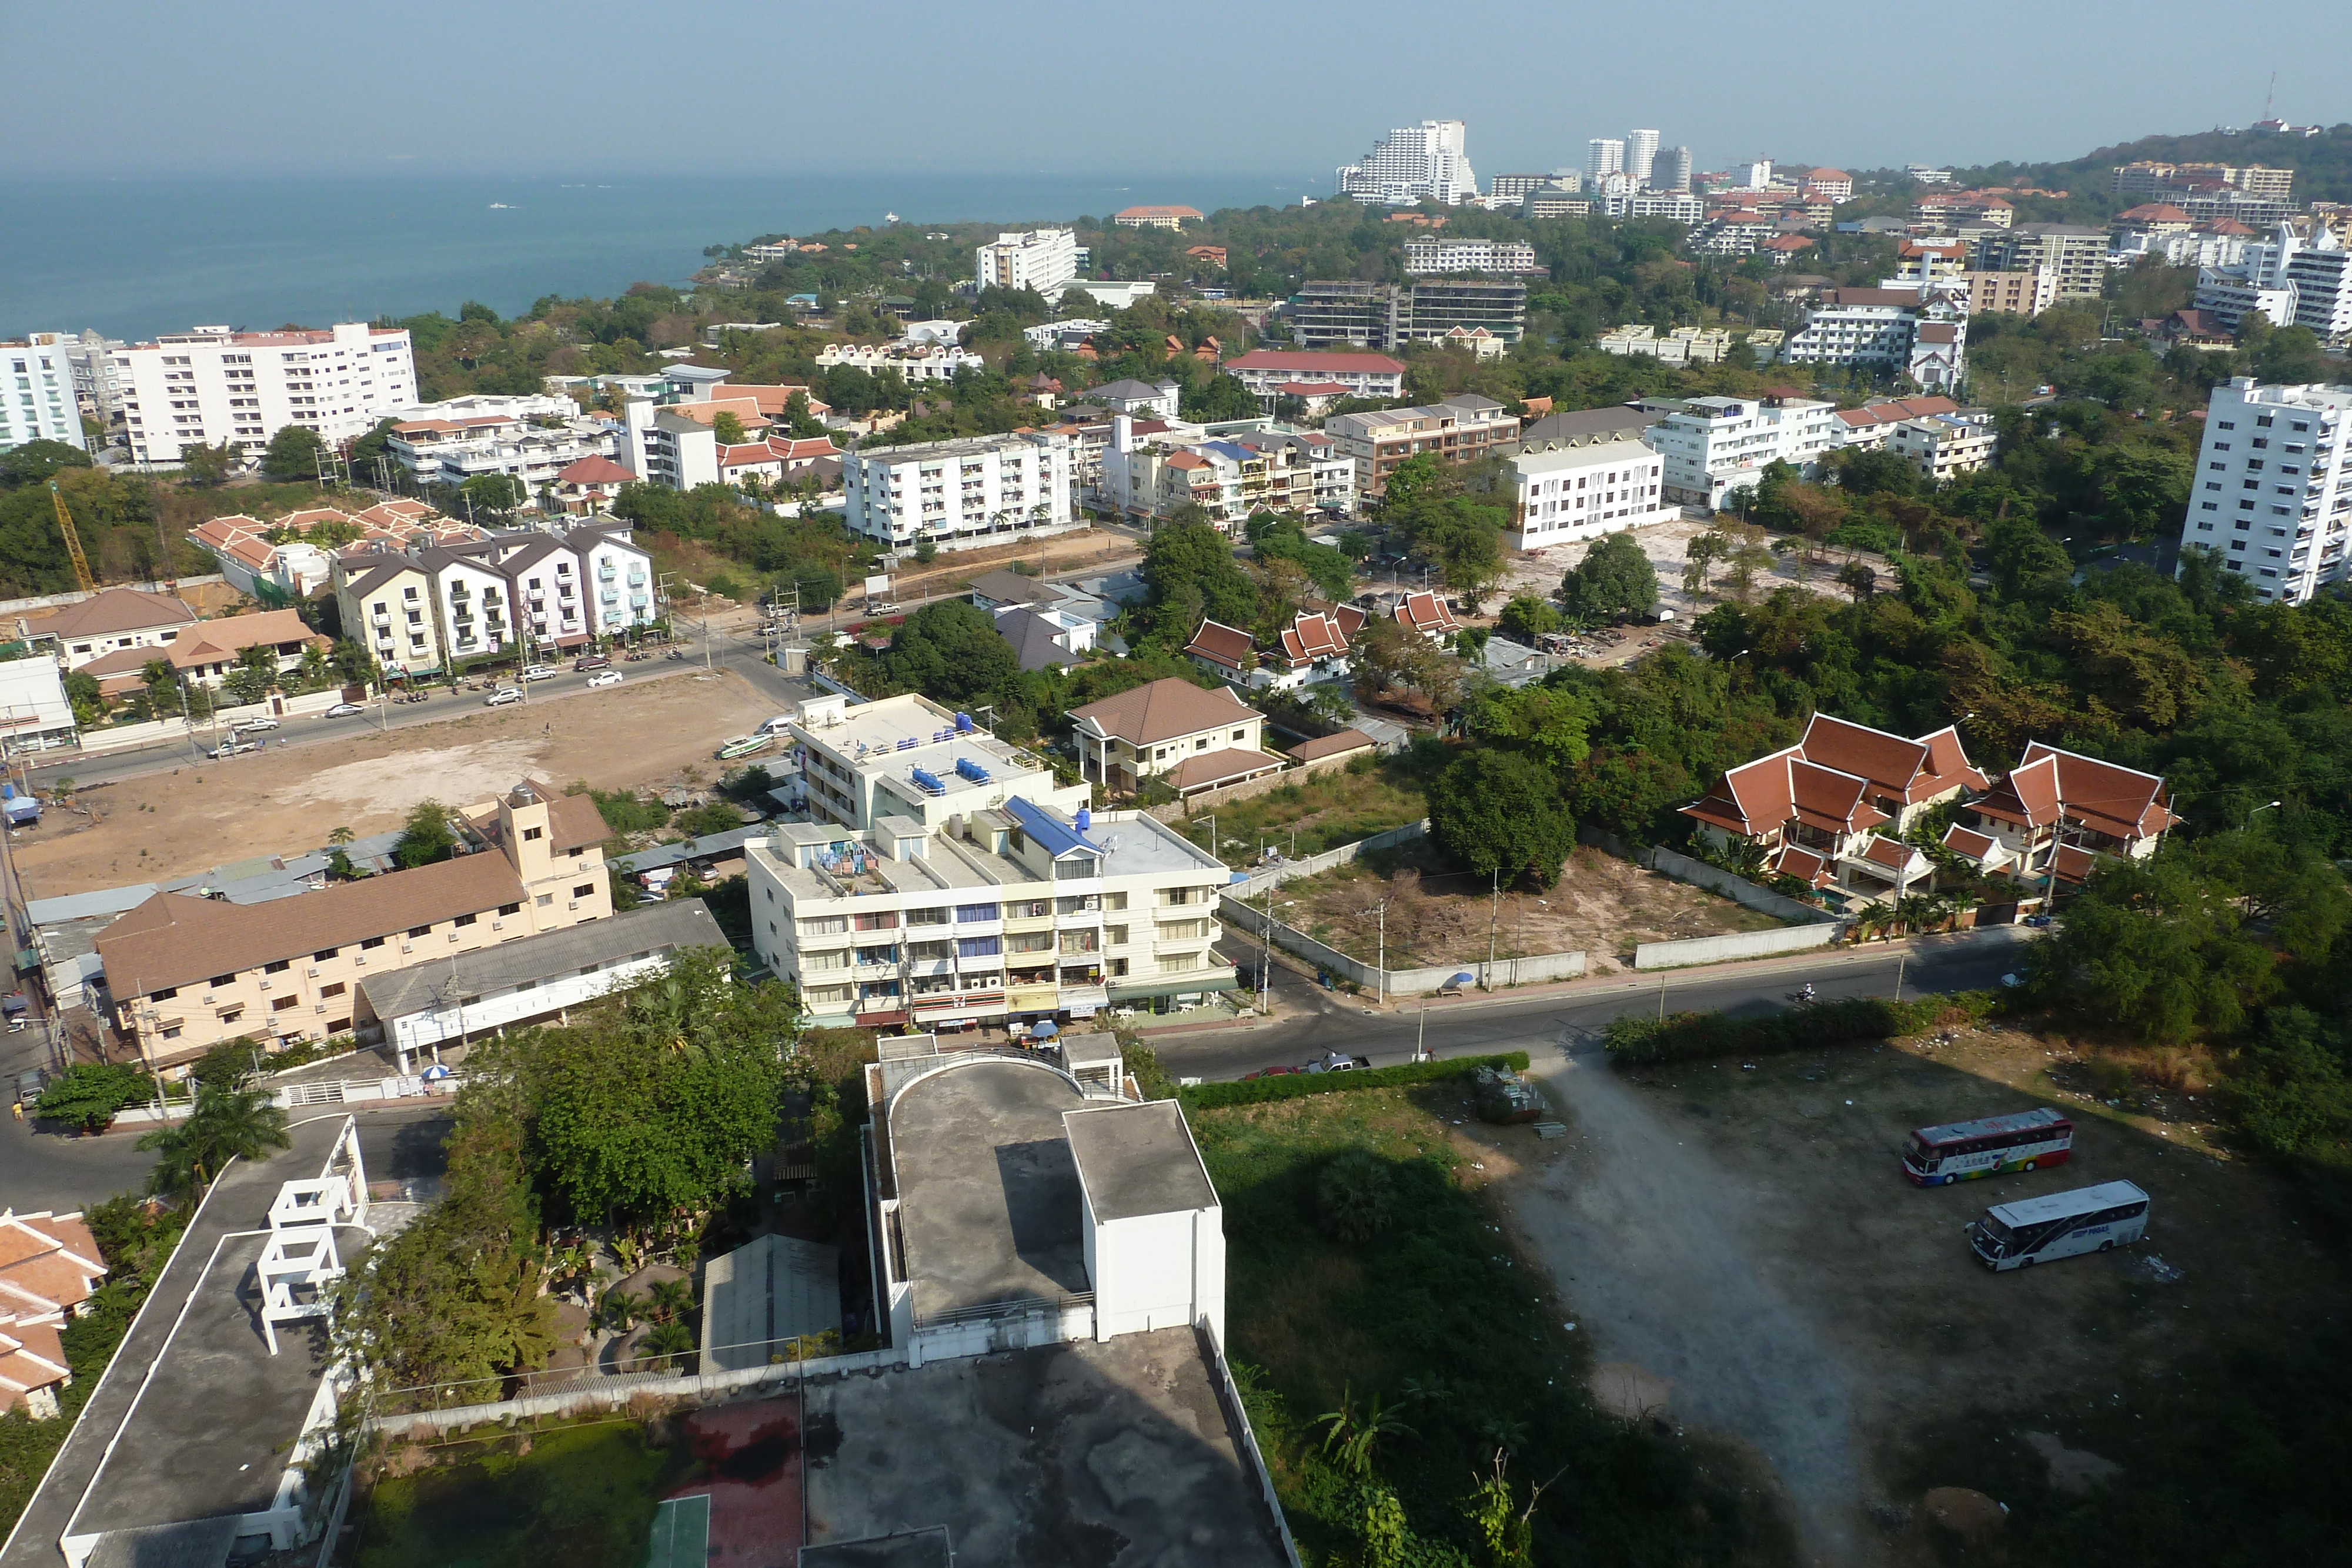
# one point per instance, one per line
(1683, 1036)
(1298, 1085)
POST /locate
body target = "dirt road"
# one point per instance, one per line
(1641, 1229)
(194, 817)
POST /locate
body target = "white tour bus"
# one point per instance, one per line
(2034, 1230)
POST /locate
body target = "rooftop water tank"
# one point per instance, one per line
(1086, 819)
(964, 724)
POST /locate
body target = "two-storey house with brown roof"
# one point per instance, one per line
(1194, 739)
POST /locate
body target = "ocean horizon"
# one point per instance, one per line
(132, 258)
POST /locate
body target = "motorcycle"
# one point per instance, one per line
(1803, 996)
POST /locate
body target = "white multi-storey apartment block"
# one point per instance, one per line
(1641, 155)
(1042, 259)
(960, 494)
(913, 361)
(908, 756)
(531, 439)
(1426, 254)
(36, 391)
(1579, 488)
(211, 384)
(2274, 488)
(1411, 164)
(1714, 445)
(1014, 911)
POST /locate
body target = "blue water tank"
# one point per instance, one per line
(1086, 819)
(964, 724)
(928, 782)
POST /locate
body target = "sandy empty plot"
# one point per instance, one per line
(287, 801)
(1667, 544)
(1601, 905)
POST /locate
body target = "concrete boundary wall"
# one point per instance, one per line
(1290, 871)
(592, 1394)
(1533, 970)
(1715, 879)
(1735, 945)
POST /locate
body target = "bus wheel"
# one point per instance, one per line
(2106, 1246)
(2026, 1166)
(2025, 1263)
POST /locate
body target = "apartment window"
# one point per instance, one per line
(826, 926)
(585, 890)
(171, 1031)
(463, 920)
(545, 899)
(531, 833)
(334, 991)
(165, 995)
(420, 931)
(978, 946)
(323, 954)
(883, 920)
(973, 914)
(278, 968)
(232, 1015)
(222, 980)
(371, 943)
(927, 917)
(1241, 734)
(509, 909)
(284, 1004)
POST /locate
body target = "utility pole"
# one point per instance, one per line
(1265, 954)
(1661, 998)
(1900, 959)
(1380, 985)
(1493, 907)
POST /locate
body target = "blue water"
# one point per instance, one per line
(134, 258)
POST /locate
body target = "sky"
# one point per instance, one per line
(244, 88)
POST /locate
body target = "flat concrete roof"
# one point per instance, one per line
(989, 1201)
(1137, 1158)
(767, 1293)
(1120, 1452)
(904, 1549)
(209, 1435)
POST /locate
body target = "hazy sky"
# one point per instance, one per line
(1017, 86)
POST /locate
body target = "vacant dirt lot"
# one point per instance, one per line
(1601, 905)
(193, 818)
(1748, 1256)
(1667, 546)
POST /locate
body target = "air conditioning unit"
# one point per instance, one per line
(360, 962)
(453, 936)
(319, 1006)
(208, 999)
(574, 905)
(495, 926)
(264, 985)
(408, 946)
(314, 971)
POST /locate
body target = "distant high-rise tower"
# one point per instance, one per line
(1605, 155)
(1414, 163)
(1673, 170)
(1759, 174)
(1640, 154)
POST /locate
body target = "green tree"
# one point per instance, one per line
(89, 1094)
(82, 695)
(296, 451)
(210, 466)
(652, 1105)
(1527, 618)
(38, 462)
(1495, 810)
(231, 1121)
(1614, 582)
(500, 492)
(728, 428)
(427, 837)
(950, 652)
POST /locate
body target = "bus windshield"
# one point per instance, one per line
(1997, 1234)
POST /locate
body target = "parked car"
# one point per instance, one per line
(592, 662)
(345, 710)
(539, 673)
(228, 749)
(29, 1085)
(1270, 1073)
(609, 678)
(776, 726)
(1336, 1061)
(250, 726)
(502, 696)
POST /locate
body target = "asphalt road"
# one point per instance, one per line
(1317, 1020)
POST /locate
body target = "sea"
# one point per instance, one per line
(135, 257)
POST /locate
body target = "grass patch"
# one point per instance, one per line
(1300, 1085)
(1315, 814)
(1638, 1040)
(578, 1495)
(1361, 1268)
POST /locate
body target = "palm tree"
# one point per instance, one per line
(1351, 1437)
(621, 1309)
(228, 1122)
(673, 1298)
(666, 1340)
(1915, 911)
(341, 836)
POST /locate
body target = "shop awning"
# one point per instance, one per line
(1207, 980)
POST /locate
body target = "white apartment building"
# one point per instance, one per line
(97, 388)
(210, 384)
(1016, 910)
(1231, 478)
(1428, 253)
(1677, 206)
(1411, 164)
(2294, 281)
(1714, 445)
(907, 756)
(1942, 446)
(2274, 490)
(960, 494)
(1042, 259)
(1641, 155)
(665, 448)
(36, 397)
(1580, 487)
(1603, 156)
(1672, 170)
(532, 439)
(473, 606)
(913, 361)
(1915, 330)
(544, 591)
(1269, 372)
(387, 603)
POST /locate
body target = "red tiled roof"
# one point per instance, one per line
(1309, 637)
(1163, 710)
(1981, 847)
(2119, 802)
(2153, 213)
(595, 470)
(2073, 863)
(1805, 864)
(1426, 612)
(1225, 646)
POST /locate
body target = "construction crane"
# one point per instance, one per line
(73, 540)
